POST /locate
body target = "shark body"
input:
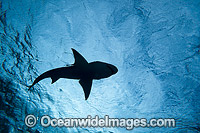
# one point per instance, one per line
(81, 70)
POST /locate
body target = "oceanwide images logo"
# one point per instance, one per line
(128, 123)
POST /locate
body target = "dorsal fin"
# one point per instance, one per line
(79, 59)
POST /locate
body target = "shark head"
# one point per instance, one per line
(102, 70)
(112, 68)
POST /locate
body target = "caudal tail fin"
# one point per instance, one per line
(29, 87)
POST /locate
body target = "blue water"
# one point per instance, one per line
(154, 44)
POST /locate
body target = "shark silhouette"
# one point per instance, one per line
(82, 70)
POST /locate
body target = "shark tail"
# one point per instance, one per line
(41, 77)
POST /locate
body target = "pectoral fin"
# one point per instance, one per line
(86, 85)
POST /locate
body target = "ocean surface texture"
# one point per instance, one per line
(155, 45)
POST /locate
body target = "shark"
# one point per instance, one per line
(81, 70)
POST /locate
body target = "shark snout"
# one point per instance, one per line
(112, 68)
